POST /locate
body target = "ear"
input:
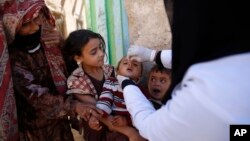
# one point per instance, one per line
(77, 59)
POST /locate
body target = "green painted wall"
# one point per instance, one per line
(109, 18)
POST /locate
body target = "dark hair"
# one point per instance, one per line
(201, 34)
(74, 44)
(157, 68)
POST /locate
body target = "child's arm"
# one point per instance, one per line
(85, 98)
(106, 99)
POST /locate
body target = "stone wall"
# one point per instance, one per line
(148, 23)
(69, 14)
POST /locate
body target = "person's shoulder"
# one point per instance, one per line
(108, 67)
(221, 65)
(76, 74)
(108, 70)
(219, 72)
(112, 80)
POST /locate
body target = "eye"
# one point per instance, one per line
(135, 64)
(101, 47)
(153, 79)
(93, 52)
(163, 80)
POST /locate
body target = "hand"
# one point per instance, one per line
(119, 121)
(94, 123)
(85, 111)
(52, 37)
(121, 78)
(141, 54)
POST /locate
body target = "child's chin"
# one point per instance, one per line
(128, 75)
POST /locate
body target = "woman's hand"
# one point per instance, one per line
(52, 37)
(119, 121)
(94, 123)
(85, 111)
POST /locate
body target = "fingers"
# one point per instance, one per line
(94, 123)
(132, 54)
(87, 110)
(52, 37)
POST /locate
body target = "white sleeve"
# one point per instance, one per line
(166, 58)
(184, 117)
(205, 104)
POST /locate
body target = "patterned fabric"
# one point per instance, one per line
(15, 10)
(80, 83)
(39, 79)
(111, 98)
(8, 115)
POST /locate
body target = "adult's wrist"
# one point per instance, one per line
(127, 82)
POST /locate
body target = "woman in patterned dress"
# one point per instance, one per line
(38, 72)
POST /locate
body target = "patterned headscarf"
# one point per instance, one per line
(17, 12)
(12, 15)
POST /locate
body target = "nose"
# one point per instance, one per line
(129, 64)
(101, 52)
(156, 82)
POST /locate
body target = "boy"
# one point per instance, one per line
(158, 83)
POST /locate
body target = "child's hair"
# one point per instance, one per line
(74, 44)
(157, 68)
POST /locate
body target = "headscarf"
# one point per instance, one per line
(12, 15)
(19, 11)
(204, 31)
(8, 114)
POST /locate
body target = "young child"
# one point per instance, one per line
(158, 83)
(111, 100)
(84, 53)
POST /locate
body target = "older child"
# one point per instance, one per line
(158, 83)
(111, 100)
(84, 53)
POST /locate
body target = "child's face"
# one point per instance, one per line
(130, 68)
(158, 84)
(92, 54)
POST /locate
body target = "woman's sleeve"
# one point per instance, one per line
(45, 101)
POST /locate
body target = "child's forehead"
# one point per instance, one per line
(125, 59)
(155, 71)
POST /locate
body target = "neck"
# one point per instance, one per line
(95, 72)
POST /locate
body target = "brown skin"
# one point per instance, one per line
(158, 84)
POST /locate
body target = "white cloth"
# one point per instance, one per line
(166, 55)
(211, 96)
(141, 54)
